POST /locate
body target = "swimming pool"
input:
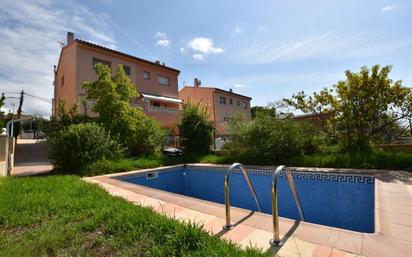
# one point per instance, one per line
(332, 199)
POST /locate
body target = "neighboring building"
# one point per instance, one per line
(222, 105)
(318, 120)
(157, 83)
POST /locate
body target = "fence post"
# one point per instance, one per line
(4, 145)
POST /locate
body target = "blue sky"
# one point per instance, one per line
(264, 49)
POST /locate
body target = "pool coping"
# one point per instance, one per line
(393, 212)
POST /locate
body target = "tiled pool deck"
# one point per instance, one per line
(393, 218)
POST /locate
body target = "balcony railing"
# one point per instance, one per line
(164, 110)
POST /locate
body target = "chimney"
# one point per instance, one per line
(70, 38)
(197, 83)
(230, 90)
(157, 62)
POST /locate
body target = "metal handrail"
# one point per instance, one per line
(228, 225)
(275, 215)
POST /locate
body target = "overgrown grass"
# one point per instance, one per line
(377, 159)
(127, 164)
(64, 216)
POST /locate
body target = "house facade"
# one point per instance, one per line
(157, 83)
(222, 105)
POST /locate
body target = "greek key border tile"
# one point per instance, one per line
(353, 178)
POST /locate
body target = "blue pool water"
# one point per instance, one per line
(337, 200)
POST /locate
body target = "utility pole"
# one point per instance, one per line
(19, 110)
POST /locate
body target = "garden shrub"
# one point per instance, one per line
(77, 146)
(149, 136)
(195, 129)
(267, 139)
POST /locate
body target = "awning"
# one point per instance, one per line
(162, 98)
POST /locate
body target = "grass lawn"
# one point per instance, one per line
(65, 216)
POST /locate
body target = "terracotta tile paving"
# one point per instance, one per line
(193, 216)
(168, 209)
(295, 247)
(238, 233)
(214, 226)
(393, 218)
(409, 190)
(150, 202)
(324, 251)
(346, 241)
(384, 246)
(316, 234)
(258, 238)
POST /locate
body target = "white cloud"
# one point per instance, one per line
(198, 57)
(162, 39)
(237, 31)
(239, 85)
(388, 8)
(160, 35)
(29, 32)
(163, 42)
(201, 46)
(204, 46)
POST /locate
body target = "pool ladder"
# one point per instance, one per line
(275, 241)
(228, 225)
(275, 214)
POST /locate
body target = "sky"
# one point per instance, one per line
(267, 50)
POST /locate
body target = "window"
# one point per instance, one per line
(62, 81)
(155, 104)
(146, 75)
(126, 69)
(238, 103)
(163, 80)
(244, 105)
(222, 100)
(231, 101)
(96, 61)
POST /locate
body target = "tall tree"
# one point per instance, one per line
(111, 96)
(363, 106)
(195, 129)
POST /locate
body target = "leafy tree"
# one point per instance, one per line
(363, 106)
(272, 109)
(256, 109)
(195, 129)
(111, 97)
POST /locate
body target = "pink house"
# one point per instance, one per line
(222, 105)
(157, 82)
